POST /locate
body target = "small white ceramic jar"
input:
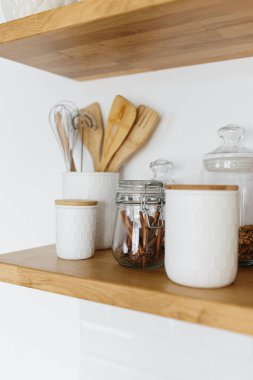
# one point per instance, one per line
(99, 186)
(75, 229)
(201, 238)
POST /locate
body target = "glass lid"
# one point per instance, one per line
(231, 154)
(162, 170)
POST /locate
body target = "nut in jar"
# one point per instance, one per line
(246, 244)
(139, 233)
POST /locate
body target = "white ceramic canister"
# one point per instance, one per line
(75, 228)
(102, 187)
(201, 238)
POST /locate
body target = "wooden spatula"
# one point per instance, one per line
(92, 131)
(120, 121)
(146, 122)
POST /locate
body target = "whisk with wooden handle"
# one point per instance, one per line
(62, 119)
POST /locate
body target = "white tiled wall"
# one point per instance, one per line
(47, 336)
(39, 335)
(122, 344)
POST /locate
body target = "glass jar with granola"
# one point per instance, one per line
(232, 164)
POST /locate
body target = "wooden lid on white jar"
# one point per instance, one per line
(202, 187)
(75, 202)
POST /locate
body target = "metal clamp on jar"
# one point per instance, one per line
(139, 233)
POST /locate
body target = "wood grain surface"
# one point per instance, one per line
(97, 38)
(203, 187)
(75, 202)
(101, 279)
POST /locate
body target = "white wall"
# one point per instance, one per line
(193, 101)
(40, 332)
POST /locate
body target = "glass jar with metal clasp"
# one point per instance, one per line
(139, 233)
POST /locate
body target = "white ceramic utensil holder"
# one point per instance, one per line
(201, 238)
(14, 9)
(75, 229)
(101, 187)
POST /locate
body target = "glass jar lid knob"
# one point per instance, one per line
(232, 136)
(162, 170)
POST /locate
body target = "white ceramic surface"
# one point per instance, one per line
(201, 238)
(102, 188)
(14, 9)
(75, 232)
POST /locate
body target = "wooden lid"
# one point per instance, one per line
(201, 187)
(75, 202)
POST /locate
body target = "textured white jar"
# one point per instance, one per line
(14, 9)
(75, 229)
(201, 238)
(99, 186)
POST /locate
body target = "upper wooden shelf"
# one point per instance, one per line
(97, 38)
(101, 279)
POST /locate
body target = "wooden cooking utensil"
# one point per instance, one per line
(120, 121)
(92, 131)
(64, 141)
(145, 124)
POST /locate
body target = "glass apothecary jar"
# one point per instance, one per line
(232, 164)
(139, 232)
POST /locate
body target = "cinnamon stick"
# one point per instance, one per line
(128, 224)
(129, 243)
(154, 224)
(156, 218)
(145, 232)
(159, 240)
(152, 242)
(151, 220)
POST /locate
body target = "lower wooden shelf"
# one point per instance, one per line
(101, 279)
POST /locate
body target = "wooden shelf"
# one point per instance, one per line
(101, 279)
(96, 38)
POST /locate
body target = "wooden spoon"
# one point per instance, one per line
(92, 131)
(120, 121)
(64, 142)
(145, 124)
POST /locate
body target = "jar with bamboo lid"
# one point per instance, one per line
(201, 234)
(75, 228)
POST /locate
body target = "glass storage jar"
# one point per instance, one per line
(232, 164)
(139, 232)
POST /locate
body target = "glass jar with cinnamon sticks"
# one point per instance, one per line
(139, 232)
